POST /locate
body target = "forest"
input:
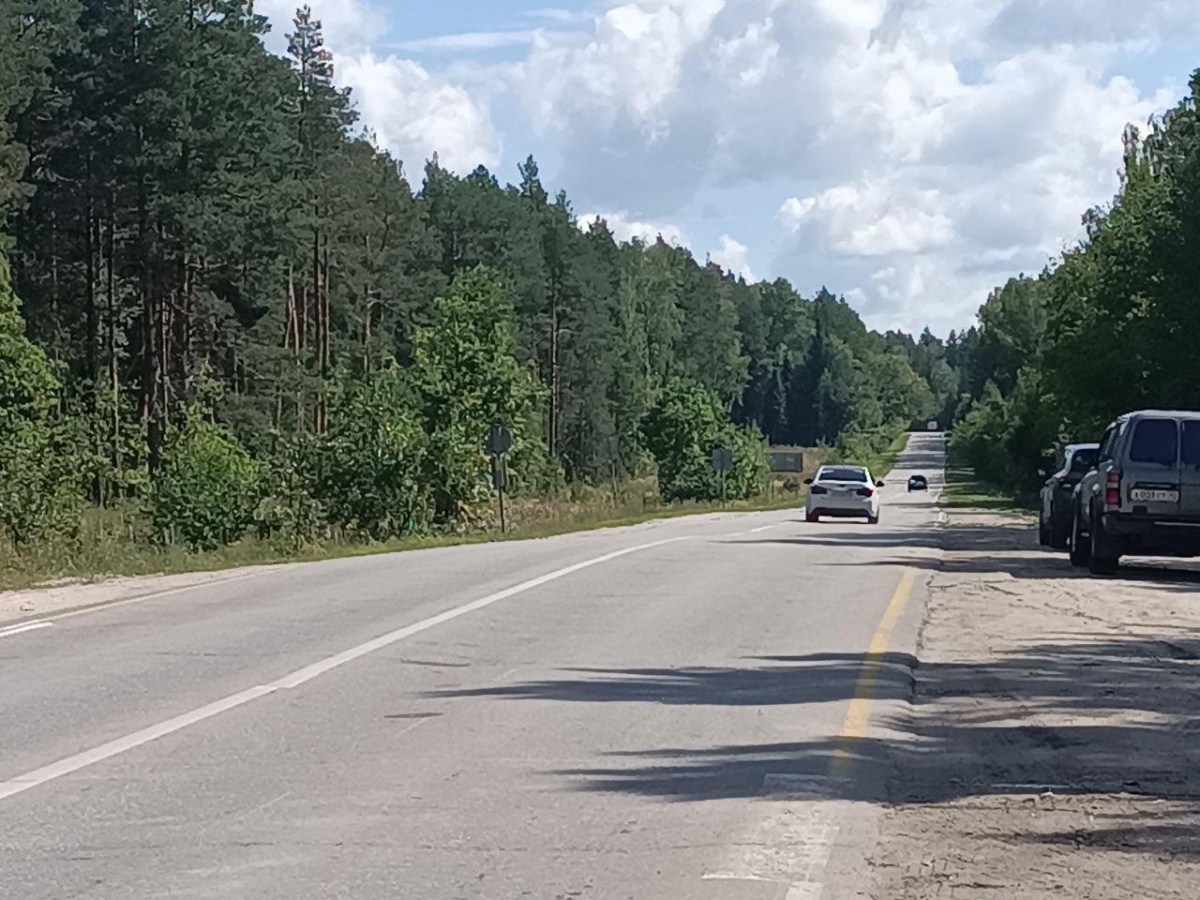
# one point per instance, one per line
(1109, 327)
(225, 307)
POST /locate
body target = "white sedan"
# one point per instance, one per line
(843, 492)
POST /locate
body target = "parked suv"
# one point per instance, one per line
(1143, 497)
(1058, 494)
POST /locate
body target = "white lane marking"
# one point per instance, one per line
(761, 530)
(129, 742)
(21, 629)
(790, 847)
(792, 844)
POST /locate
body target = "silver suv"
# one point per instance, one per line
(1143, 496)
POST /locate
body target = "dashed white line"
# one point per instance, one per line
(129, 742)
(761, 530)
(21, 629)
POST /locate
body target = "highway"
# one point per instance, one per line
(662, 711)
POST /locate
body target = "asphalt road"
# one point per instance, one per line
(648, 712)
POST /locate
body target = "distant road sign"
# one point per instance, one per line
(500, 440)
(722, 460)
(787, 462)
(614, 448)
(933, 426)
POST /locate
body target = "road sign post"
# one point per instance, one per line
(614, 460)
(722, 463)
(499, 442)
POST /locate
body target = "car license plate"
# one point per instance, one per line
(1142, 495)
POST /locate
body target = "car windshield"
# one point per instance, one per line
(1155, 441)
(1084, 460)
(843, 474)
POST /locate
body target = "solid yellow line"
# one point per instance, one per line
(858, 716)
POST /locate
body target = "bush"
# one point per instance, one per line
(369, 468)
(289, 515)
(39, 481)
(207, 491)
(683, 429)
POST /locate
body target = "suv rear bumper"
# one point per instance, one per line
(1175, 536)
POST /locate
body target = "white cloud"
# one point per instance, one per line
(626, 229)
(562, 16)
(733, 257)
(469, 40)
(416, 114)
(413, 112)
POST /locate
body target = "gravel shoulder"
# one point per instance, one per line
(1053, 743)
(54, 599)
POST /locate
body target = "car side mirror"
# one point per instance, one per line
(808, 481)
(880, 484)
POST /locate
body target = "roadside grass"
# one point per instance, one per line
(886, 461)
(111, 542)
(966, 490)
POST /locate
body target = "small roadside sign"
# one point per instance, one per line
(787, 462)
(500, 440)
(614, 448)
(722, 460)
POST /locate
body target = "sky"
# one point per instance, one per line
(910, 155)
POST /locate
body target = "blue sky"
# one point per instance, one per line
(909, 154)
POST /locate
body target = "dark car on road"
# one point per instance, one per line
(1143, 496)
(918, 483)
(1058, 494)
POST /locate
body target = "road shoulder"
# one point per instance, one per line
(1052, 744)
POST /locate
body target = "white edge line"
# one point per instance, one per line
(129, 742)
(20, 629)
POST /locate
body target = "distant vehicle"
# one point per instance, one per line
(1143, 496)
(1058, 494)
(843, 492)
(918, 483)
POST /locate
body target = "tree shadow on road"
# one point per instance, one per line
(1125, 714)
(1114, 717)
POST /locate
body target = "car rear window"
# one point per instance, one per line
(1191, 444)
(843, 475)
(1084, 460)
(1155, 441)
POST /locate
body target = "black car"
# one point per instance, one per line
(1054, 521)
(918, 483)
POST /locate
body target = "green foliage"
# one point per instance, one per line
(289, 515)
(468, 378)
(371, 467)
(38, 473)
(684, 428)
(207, 491)
(1106, 329)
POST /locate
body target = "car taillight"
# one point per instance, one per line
(1112, 490)
(817, 489)
(866, 492)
